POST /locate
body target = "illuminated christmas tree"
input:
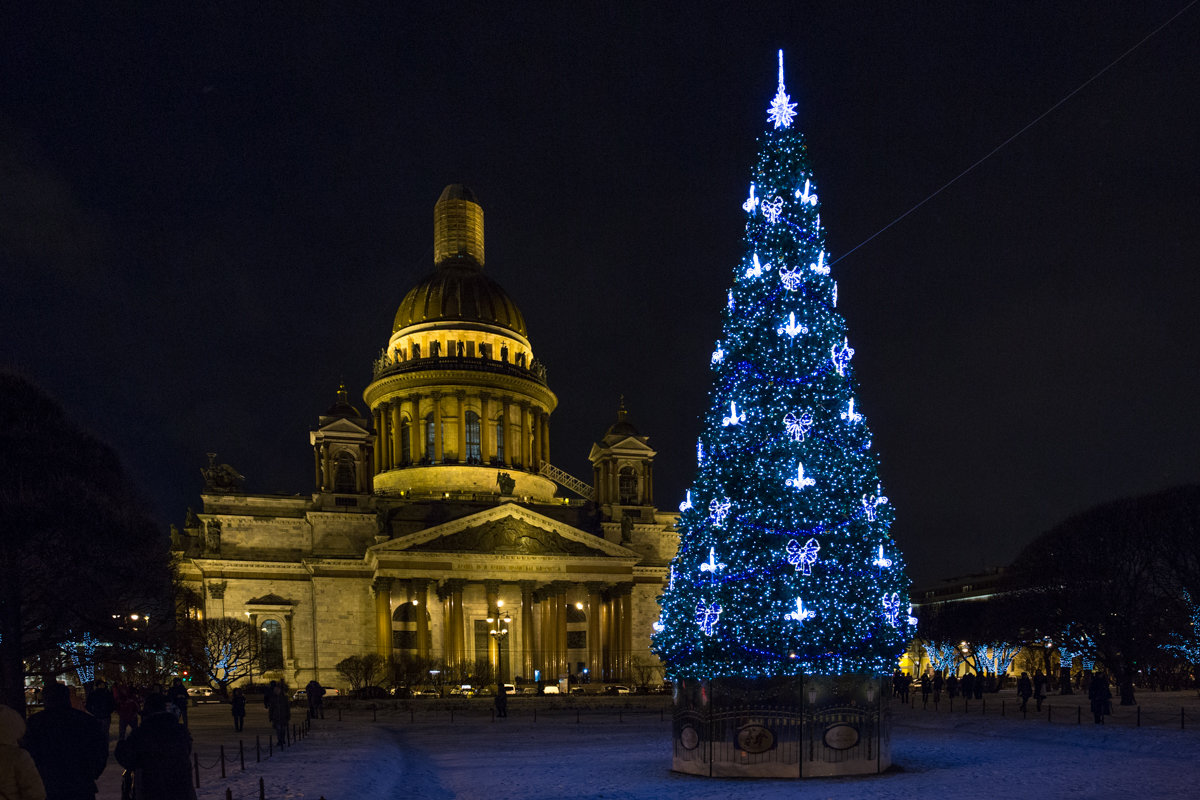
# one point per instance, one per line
(785, 566)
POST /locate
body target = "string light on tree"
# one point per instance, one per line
(797, 427)
(718, 510)
(734, 417)
(791, 328)
(772, 208)
(803, 558)
(841, 355)
(880, 561)
(821, 268)
(712, 565)
(707, 615)
(870, 503)
(801, 613)
(800, 481)
(850, 415)
(751, 202)
(790, 278)
(687, 503)
(805, 197)
(781, 112)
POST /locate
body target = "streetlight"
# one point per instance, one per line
(499, 620)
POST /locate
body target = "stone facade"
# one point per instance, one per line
(438, 533)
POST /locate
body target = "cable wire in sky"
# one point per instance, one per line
(1010, 139)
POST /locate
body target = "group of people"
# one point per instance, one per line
(66, 748)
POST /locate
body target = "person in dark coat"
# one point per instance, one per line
(501, 700)
(267, 695)
(926, 687)
(238, 704)
(159, 753)
(952, 685)
(1039, 688)
(281, 712)
(1024, 689)
(177, 696)
(1100, 696)
(315, 693)
(100, 704)
(127, 709)
(938, 682)
(967, 684)
(68, 746)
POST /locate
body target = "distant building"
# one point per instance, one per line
(439, 507)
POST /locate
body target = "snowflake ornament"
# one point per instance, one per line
(781, 112)
(802, 558)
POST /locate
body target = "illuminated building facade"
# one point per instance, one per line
(439, 506)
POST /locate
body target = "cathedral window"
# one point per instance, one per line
(430, 443)
(343, 476)
(627, 485)
(271, 645)
(473, 452)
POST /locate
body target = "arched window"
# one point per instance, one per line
(343, 475)
(472, 438)
(500, 439)
(430, 452)
(405, 443)
(271, 645)
(627, 484)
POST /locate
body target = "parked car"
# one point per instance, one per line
(550, 690)
(614, 689)
(529, 690)
(466, 690)
(426, 693)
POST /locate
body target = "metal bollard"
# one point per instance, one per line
(222, 761)
(228, 793)
(339, 713)
(1181, 723)
(196, 768)
(257, 750)
(374, 715)
(242, 754)
(270, 746)
(1002, 708)
(410, 716)
(984, 711)
(262, 792)
(577, 716)
(619, 719)
(1049, 713)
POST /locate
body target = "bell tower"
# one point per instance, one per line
(343, 445)
(623, 472)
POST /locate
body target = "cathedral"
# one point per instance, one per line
(438, 532)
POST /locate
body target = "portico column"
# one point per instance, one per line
(564, 658)
(456, 622)
(414, 428)
(545, 630)
(383, 616)
(394, 448)
(528, 630)
(606, 628)
(462, 426)
(626, 642)
(545, 438)
(595, 647)
(486, 449)
(437, 428)
(491, 592)
(525, 449)
(420, 590)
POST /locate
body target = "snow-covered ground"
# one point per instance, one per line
(425, 755)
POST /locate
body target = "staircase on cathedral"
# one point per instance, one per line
(577, 486)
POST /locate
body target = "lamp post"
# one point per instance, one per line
(499, 620)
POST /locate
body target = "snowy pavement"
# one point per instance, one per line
(426, 756)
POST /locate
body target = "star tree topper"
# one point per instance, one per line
(781, 112)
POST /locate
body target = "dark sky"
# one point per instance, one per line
(209, 217)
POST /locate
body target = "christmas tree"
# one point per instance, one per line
(785, 564)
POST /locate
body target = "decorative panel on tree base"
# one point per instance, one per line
(804, 727)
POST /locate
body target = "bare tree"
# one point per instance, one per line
(221, 650)
(361, 671)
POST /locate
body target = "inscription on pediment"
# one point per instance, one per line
(509, 535)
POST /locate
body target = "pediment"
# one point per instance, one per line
(343, 426)
(270, 600)
(507, 529)
(629, 446)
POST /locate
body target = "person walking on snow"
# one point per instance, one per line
(1024, 689)
(19, 779)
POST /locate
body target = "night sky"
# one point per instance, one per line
(209, 217)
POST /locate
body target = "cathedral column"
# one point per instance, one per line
(455, 624)
(606, 648)
(380, 440)
(626, 641)
(437, 427)
(462, 426)
(326, 468)
(414, 429)
(594, 646)
(491, 593)
(564, 657)
(420, 600)
(394, 436)
(648, 494)
(528, 630)
(525, 449)
(545, 631)
(545, 437)
(383, 616)
(317, 466)
(508, 443)
(486, 448)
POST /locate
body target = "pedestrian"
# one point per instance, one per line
(238, 703)
(19, 779)
(501, 700)
(967, 685)
(1024, 689)
(280, 712)
(315, 693)
(1039, 688)
(127, 709)
(897, 683)
(1100, 697)
(100, 704)
(67, 745)
(938, 682)
(267, 696)
(159, 754)
(952, 685)
(926, 687)
(177, 696)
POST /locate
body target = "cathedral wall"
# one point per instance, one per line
(336, 534)
(280, 538)
(344, 624)
(645, 612)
